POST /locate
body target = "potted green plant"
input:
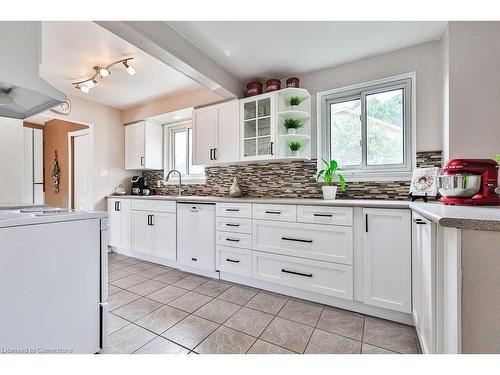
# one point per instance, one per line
(295, 102)
(295, 147)
(329, 175)
(292, 124)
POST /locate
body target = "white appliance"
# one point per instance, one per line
(53, 281)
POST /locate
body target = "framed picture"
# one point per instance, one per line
(423, 182)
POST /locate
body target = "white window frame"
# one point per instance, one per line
(170, 130)
(383, 173)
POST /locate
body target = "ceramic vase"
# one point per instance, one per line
(235, 190)
(329, 192)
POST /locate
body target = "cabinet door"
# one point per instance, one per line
(115, 223)
(142, 232)
(387, 259)
(204, 135)
(134, 146)
(227, 132)
(165, 235)
(153, 146)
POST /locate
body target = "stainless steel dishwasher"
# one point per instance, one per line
(196, 235)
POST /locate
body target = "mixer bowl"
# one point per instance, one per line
(459, 185)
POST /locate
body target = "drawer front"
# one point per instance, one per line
(142, 205)
(279, 212)
(235, 225)
(165, 206)
(235, 261)
(325, 215)
(321, 277)
(313, 241)
(241, 240)
(243, 210)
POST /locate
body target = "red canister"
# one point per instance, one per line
(273, 85)
(254, 88)
(292, 82)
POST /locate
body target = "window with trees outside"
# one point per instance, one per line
(367, 128)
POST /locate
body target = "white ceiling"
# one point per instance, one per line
(71, 49)
(263, 50)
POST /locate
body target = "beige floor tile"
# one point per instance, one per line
(137, 309)
(370, 349)
(171, 277)
(167, 294)
(190, 301)
(128, 281)
(161, 319)
(155, 271)
(113, 289)
(191, 282)
(115, 323)
(390, 335)
(238, 294)
(126, 263)
(268, 302)
(301, 311)
(249, 321)
(146, 287)
(217, 311)
(213, 288)
(139, 267)
(118, 274)
(323, 342)
(127, 340)
(161, 346)
(225, 341)
(263, 347)
(288, 334)
(190, 331)
(342, 322)
(121, 298)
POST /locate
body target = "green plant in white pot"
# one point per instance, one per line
(295, 102)
(295, 147)
(330, 175)
(292, 124)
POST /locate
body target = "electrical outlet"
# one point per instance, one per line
(103, 173)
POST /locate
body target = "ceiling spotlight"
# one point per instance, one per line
(130, 69)
(104, 72)
(90, 84)
(84, 88)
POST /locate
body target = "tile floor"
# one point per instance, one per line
(158, 309)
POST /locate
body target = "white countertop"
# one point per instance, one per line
(12, 218)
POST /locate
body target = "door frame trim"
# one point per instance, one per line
(71, 135)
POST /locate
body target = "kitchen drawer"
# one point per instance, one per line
(281, 212)
(314, 241)
(235, 225)
(165, 206)
(325, 215)
(241, 240)
(243, 210)
(235, 261)
(321, 277)
(142, 204)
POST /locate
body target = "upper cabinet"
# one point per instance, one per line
(216, 133)
(143, 146)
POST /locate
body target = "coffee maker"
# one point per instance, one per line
(470, 182)
(137, 185)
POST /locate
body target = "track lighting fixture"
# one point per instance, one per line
(100, 73)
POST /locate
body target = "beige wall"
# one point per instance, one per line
(194, 98)
(424, 59)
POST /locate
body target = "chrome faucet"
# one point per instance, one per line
(179, 193)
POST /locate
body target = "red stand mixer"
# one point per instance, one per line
(470, 182)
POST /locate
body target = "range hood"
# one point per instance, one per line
(22, 92)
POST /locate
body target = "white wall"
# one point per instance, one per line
(424, 59)
(11, 162)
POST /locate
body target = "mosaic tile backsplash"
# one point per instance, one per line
(292, 179)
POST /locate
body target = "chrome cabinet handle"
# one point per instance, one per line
(297, 273)
(296, 239)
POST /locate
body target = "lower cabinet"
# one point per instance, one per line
(232, 260)
(154, 233)
(119, 214)
(387, 259)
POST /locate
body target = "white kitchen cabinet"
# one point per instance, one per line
(143, 146)
(234, 261)
(387, 259)
(119, 223)
(142, 232)
(216, 133)
(424, 281)
(165, 235)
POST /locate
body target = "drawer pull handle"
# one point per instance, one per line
(194, 259)
(232, 225)
(232, 240)
(232, 209)
(323, 215)
(274, 212)
(419, 221)
(296, 239)
(232, 260)
(297, 273)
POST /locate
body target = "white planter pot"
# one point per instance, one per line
(295, 154)
(329, 192)
(291, 131)
(294, 107)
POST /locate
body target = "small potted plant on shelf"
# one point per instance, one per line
(295, 147)
(292, 124)
(295, 102)
(329, 174)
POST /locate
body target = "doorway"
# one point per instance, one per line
(80, 170)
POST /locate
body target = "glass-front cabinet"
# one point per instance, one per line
(258, 127)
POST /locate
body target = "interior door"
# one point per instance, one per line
(142, 232)
(165, 235)
(204, 135)
(82, 173)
